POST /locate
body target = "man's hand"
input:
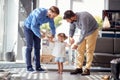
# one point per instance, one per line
(74, 46)
(43, 35)
(71, 40)
(50, 38)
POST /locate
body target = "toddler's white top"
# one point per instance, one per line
(59, 49)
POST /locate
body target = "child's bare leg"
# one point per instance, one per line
(61, 67)
(58, 67)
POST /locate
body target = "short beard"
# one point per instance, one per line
(73, 21)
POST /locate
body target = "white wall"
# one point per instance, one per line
(1, 27)
(46, 3)
(95, 7)
(63, 6)
(11, 24)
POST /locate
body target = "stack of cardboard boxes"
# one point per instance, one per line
(46, 56)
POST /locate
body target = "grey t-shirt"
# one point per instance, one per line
(86, 23)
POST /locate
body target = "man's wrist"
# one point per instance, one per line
(75, 46)
(70, 37)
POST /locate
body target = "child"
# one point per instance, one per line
(59, 50)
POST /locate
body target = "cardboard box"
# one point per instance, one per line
(47, 59)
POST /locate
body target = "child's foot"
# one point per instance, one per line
(60, 72)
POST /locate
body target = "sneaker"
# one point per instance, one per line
(86, 72)
(40, 69)
(30, 69)
(77, 71)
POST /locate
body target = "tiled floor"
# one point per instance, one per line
(18, 72)
(22, 74)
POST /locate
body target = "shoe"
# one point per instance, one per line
(86, 72)
(40, 69)
(77, 71)
(30, 69)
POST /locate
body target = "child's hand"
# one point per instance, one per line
(51, 39)
(43, 36)
(68, 45)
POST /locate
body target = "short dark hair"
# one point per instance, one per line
(54, 9)
(68, 14)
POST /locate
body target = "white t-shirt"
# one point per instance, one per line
(59, 49)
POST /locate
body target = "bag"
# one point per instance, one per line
(10, 56)
(106, 23)
(115, 68)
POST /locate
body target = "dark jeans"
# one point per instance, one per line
(32, 41)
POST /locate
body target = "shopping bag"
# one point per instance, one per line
(106, 23)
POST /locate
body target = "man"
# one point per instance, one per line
(87, 40)
(33, 35)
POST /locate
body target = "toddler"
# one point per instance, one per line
(59, 51)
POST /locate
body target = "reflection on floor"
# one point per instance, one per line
(22, 74)
(18, 72)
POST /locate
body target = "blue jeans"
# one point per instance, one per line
(32, 41)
